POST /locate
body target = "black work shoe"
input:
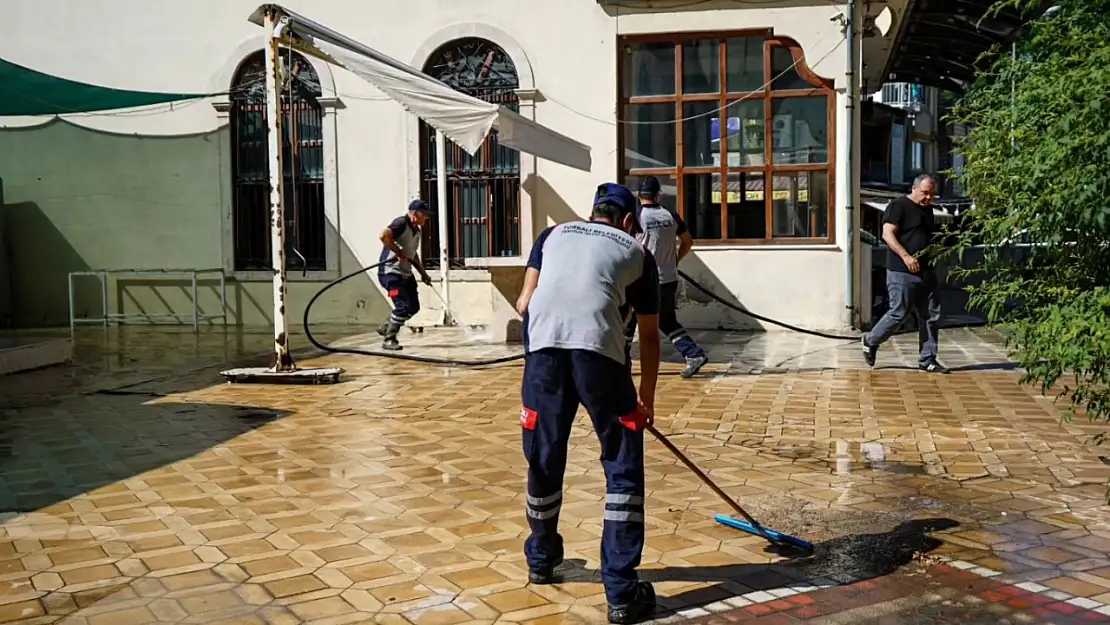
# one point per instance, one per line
(640, 608)
(390, 343)
(933, 366)
(693, 365)
(543, 577)
(869, 351)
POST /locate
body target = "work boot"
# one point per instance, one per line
(640, 608)
(390, 341)
(382, 328)
(543, 577)
(693, 365)
(869, 351)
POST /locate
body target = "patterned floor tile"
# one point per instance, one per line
(396, 495)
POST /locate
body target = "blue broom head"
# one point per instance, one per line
(764, 532)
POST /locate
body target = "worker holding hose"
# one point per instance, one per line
(400, 241)
(581, 279)
(664, 234)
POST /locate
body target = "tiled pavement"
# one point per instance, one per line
(396, 496)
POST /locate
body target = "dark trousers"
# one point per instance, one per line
(919, 293)
(668, 325)
(556, 382)
(403, 293)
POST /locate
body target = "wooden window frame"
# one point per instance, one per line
(821, 87)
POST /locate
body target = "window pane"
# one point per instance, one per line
(801, 130)
(745, 133)
(648, 69)
(785, 72)
(649, 145)
(701, 66)
(700, 139)
(702, 205)
(668, 194)
(747, 217)
(745, 64)
(800, 205)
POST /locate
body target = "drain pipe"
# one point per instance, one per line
(850, 188)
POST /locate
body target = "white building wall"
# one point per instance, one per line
(566, 56)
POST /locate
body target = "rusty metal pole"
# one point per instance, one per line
(282, 360)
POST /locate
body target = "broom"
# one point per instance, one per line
(749, 525)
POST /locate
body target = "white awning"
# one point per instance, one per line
(464, 119)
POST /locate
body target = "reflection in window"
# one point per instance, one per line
(745, 134)
(767, 126)
(699, 141)
(745, 64)
(747, 216)
(702, 204)
(800, 130)
(701, 67)
(800, 205)
(649, 70)
(785, 71)
(649, 145)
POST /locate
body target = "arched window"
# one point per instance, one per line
(680, 95)
(302, 159)
(483, 191)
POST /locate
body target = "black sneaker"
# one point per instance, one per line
(933, 366)
(693, 365)
(641, 608)
(390, 343)
(543, 577)
(869, 351)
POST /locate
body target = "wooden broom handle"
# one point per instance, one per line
(703, 477)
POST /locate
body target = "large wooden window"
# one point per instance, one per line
(675, 90)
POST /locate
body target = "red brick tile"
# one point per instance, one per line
(801, 600)
(1039, 599)
(1012, 591)
(1095, 617)
(1020, 604)
(805, 613)
(993, 596)
(759, 609)
(1045, 613)
(1064, 608)
(779, 605)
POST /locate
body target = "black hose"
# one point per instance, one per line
(363, 352)
(504, 359)
(720, 300)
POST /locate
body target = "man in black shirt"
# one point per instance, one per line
(911, 280)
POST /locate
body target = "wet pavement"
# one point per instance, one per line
(396, 496)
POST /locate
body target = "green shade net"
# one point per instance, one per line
(24, 91)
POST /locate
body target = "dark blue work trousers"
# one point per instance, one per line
(556, 382)
(402, 291)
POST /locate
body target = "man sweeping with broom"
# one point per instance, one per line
(581, 279)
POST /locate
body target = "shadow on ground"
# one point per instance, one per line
(49, 456)
(840, 560)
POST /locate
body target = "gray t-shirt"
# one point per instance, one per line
(590, 274)
(661, 228)
(407, 237)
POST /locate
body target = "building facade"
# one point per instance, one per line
(742, 110)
